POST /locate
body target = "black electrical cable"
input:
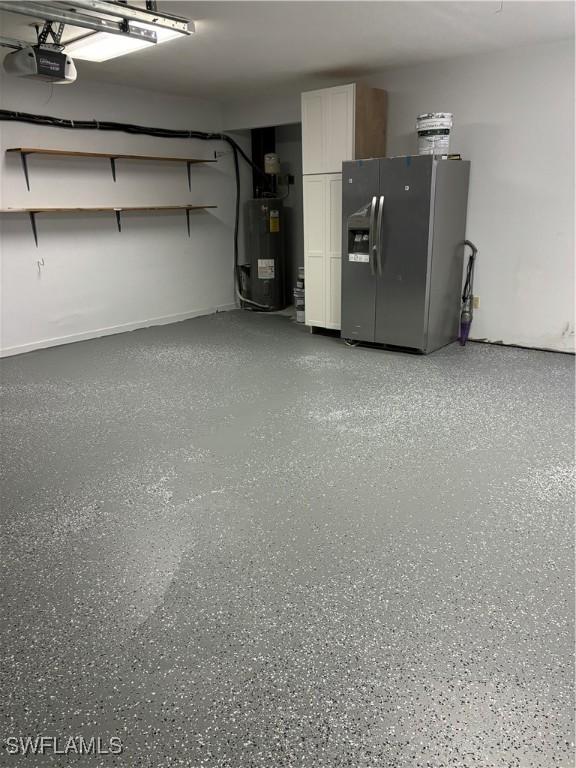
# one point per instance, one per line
(108, 125)
(467, 309)
(166, 133)
(467, 290)
(468, 281)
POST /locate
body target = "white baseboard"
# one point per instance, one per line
(109, 331)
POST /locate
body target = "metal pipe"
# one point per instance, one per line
(47, 13)
(129, 12)
(8, 42)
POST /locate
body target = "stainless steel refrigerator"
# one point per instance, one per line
(404, 225)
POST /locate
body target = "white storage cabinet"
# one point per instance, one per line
(338, 124)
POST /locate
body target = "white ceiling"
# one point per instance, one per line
(247, 49)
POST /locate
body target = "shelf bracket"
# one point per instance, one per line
(188, 220)
(32, 215)
(24, 159)
(118, 212)
(113, 167)
(188, 166)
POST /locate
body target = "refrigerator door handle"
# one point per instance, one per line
(372, 250)
(378, 248)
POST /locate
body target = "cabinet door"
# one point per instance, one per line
(333, 259)
(313, 130)
(314, 188)
(339, 127)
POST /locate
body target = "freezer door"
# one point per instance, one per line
(404, 254)
(359, 191)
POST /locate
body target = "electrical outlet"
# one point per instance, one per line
(476, 302)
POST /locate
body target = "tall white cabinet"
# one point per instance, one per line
(338, 124)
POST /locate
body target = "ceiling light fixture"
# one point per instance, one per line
(100, 46)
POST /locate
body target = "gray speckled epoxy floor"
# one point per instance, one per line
(235, 544)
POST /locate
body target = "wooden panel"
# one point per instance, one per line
(108, 155)
(339, 132)
(313, 128)
(371, 122)
(314, 189)
(113, 209)
(333, 259)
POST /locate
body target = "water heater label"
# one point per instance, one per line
(362, 257)
(274, 221)
(265, 269)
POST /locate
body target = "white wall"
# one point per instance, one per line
(514, 119)
(265, 112)
(95, 280)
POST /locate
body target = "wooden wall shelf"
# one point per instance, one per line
(112, 156)
(117, 210)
